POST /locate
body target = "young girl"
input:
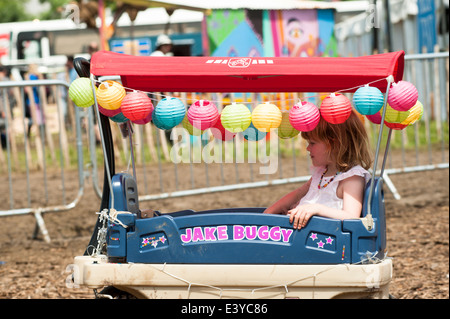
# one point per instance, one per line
(340, 155)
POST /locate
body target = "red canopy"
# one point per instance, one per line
(244, 74)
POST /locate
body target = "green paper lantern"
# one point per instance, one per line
(236, 117)
(285, 130)
(80, 92)
(394, 116)
(190, 128)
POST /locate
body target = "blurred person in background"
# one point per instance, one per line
(92, 48)
(163, 46)
(32, 95)
(68, 75)
(4, 76)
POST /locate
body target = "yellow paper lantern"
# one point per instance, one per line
(110, 94)
(415, 114)
(266, 116)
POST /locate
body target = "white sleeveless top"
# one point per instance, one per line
(328, 196)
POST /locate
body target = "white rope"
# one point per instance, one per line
(112, 216)
(161, 96)
(370, 259)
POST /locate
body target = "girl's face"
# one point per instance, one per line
(318, 151)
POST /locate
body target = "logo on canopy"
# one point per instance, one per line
(239, 62)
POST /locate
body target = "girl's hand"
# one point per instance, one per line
(300, 215)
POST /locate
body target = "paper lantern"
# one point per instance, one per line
(266, 116)
(415, 114)
(80, 92)
(402, 96)
(203, 114)
(110, 94)
(191, 130)
(304, 116)
(368, 100)
(219, 132)
(236, 117)
(145, 120)
(136, 106)
(335, 108)
(119, 118)
(253, 134)
(395, 126)
(394, 116)
(168, 113)
(375, 118)
(108, 113)
(285, 130)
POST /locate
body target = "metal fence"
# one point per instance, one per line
(42, 142)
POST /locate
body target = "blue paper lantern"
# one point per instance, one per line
(168, 113)
(119, 118)
(368, 100)
(253, 134)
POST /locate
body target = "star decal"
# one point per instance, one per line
(320, 244)
(313, 236)
(329, 240)
(162, 239)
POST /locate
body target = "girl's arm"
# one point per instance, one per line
(283, 205)
(352, 195)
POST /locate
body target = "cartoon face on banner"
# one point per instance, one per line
(301, 32)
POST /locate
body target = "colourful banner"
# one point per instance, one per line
(279, 33)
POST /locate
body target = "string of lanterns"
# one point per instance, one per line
(402, 109)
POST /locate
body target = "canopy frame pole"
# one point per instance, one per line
(102, 139)
(390, 80)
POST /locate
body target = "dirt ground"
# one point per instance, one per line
(417, 234)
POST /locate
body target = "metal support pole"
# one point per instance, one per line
(389, 79)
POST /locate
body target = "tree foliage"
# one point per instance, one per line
(13, 11)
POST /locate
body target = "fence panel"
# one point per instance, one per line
(41, 140)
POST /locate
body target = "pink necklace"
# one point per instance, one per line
(321, 177)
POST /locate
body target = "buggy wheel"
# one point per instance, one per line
(111, 292)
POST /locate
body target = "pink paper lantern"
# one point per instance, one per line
(304, 116)
(136, 106)
(402, 96)
(336, 108)
(109, 113)
(203, 114)
(375, 118)
(221, 133)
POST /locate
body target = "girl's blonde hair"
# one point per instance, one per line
(347, 143)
